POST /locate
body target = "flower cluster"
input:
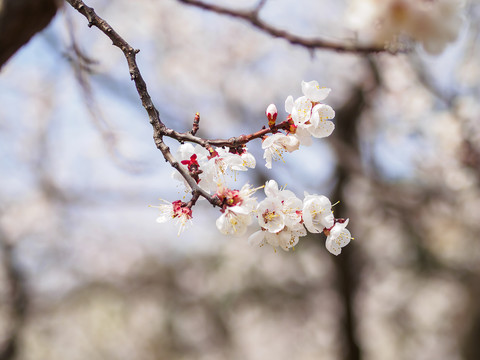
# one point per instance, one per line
(307, 117)
(433, 23)
(282, 217)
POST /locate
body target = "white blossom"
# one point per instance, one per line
(300, 109)
(185, 151)
(338, 237)
(207, 179)
(303, 135)
(309, 115)
(237, 212)
(291, 205)
(279, 216)
(317, 213)
(236, 162)
(249, 161)
(213, 168)
(319, 125)
(275, 145)
(285, 239)
(270, 215)
(225, 162)
(174, 211)
(314, 92)
(233, 222)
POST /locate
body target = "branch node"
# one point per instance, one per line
(90, 17)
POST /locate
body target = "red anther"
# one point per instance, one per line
(213, 153)
(180, 208)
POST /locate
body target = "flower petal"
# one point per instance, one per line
(314, 92)
(271, 188)
(289, 104)
(324, 111)
(333, 247)
(302, 110)
(321, 128)
(257, 238)
(344, 238)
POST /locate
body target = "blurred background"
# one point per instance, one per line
(87, 273)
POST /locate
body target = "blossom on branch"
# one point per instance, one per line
(228, 160)
(319, 126)
(314, 92)
(194, 160)
(280, 215)
(283, 218)
(237, 209)
(280, 218)
(177, 210)
(317, 213)
(209, 168)
(291, 205)
(286, 238)
(337, 236)
(309, 115)
(275, 145)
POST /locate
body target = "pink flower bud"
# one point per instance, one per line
(271, 113)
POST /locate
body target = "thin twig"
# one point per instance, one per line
(233, 142)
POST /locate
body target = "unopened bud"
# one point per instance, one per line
(271, 113)
(292, 128)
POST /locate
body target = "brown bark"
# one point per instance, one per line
(20, 20)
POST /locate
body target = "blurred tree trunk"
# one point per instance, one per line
(348, 270)
(20, 20)
(18, 300)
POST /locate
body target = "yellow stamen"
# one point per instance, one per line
(270, 216)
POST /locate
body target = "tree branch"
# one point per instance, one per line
(159, 128)
(252, 17)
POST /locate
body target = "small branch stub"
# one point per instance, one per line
(196, 124)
